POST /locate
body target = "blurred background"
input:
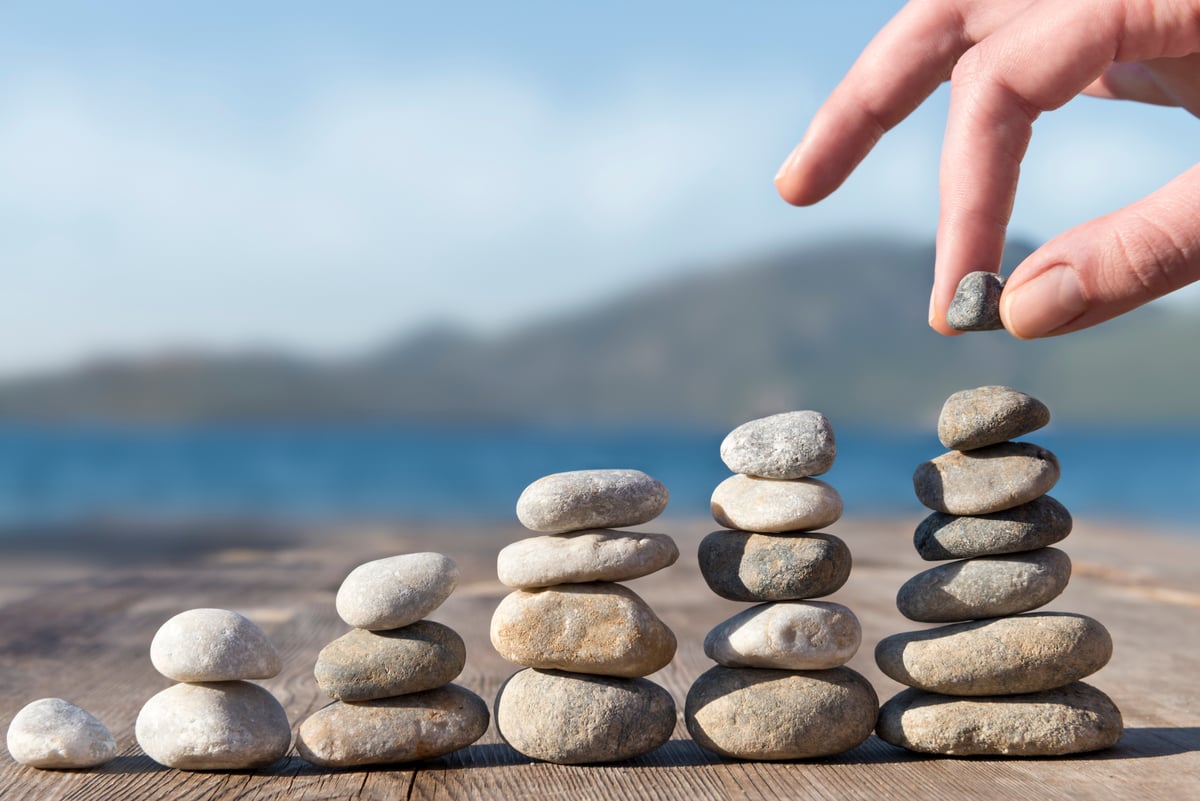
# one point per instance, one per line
(303, 263)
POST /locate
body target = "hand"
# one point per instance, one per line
(1008, 61)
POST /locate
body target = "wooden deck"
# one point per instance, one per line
(78, 625)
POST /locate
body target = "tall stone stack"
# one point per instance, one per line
(586, 642)
(1000, 679)
(780, 689)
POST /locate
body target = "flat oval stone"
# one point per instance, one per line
(1041, 522)
(1067, 720)
(986, 480)
(588, 499)
(394, 592)
(212, 645)
(770, 505)
(56, 734)
(385, 731)
(363, 665)
(576, 719)
(788, 446)
(227, 725)
(976, 303)
(787, 635)
(600, 628)
(743, 566)
(986, 586)
(1006, 656)
(973, 418)
(749, 713)
(584, 556)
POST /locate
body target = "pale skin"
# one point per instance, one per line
(1008, 61)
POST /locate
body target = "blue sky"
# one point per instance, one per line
(322, 176)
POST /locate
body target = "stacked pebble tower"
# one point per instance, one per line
(390, 677)
(586, 642)
(1005, 681)
(780, 689)
(215, 719)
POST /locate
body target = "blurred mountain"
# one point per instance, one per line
(838, 327)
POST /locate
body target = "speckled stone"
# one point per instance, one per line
(1067, 720)
(749, 713)
(986, 586)
(575, 719)
(212, 645)
(787, 446)
(974, 418)
(587, 499)
(363, 665)
(743, 566)
(386, 731)
(986, 480)
(584, 556)
(787, 635)
(1041, 522)
(771, 505)
(394, 592)
(976, 303)
(51, 733)
(1005, 656)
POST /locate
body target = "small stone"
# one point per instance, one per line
(744, 566)
(976, 303)
(213, 645)
(587, 499)
(576, 719)
(787, 446)
(226, 725)
(53, 733)
(986, 586)
(986, 480)
(1067, 720)
(600, 628)
(787, 635)
(770, 505)
(385, 731)
(584, 556)
(1041, 522)
(394, 592)
(363, 665)
(974, 418)
(1005, 656)
(749, 713)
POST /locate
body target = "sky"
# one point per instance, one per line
(323, 177)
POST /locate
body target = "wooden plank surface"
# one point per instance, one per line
(77, 622)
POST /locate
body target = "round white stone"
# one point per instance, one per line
(53, 733)
(396, 591)
(768, 505)
(583, 556)
(787, 635)
(213, 645)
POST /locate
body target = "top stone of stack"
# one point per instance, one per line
(785, 446)
(580, 500)
(976, 418)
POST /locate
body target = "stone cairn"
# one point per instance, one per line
(1005, 681)
(214, 719)
(586, 642)
(780, 689)
(390, 677)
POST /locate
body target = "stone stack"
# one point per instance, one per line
(390, 677)
(780, 689)
(999, 679)
(586, 642)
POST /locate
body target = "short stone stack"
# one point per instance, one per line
(1000, 679)
(390, 677)
(780, 689)
(587, 643)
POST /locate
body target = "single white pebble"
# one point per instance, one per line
(53, 733)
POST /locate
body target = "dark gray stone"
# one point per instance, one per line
(1041, 522)
(744, 566)
(986, 586)
(785, 446)
(363, 665)
(974, 418)
(976, 303)
(986, 480)
(588, 499)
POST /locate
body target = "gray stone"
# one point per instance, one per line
(986, 480)
(397, 591)
(386, 731)
(226, 725)
(986, 586)
(587, 499)
(1041, 522)
(976, 303)
(788, 446)
(363, 665)
(212, 645)
(584, 556)
(787, 635)
(743, 566)
(576, 719)
(1067, 720)
(599, 628)
(56, 734)
(1005, 656)
(974, 418)
(771, 505)
(749, 713)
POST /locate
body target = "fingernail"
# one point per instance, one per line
(932, 310)
(1042, 306)
(787, 163)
